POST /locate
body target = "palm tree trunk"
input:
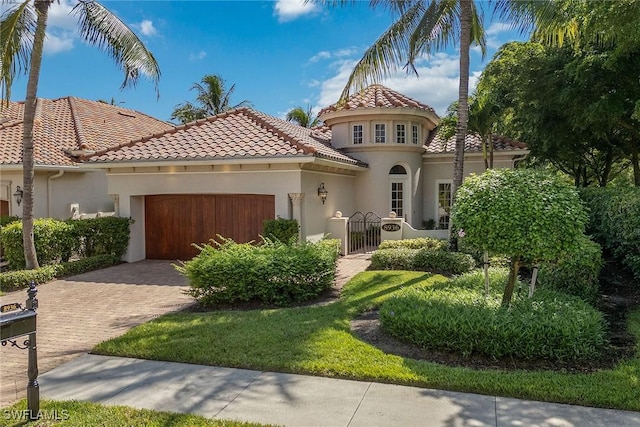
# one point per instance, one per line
(463, 95)
(463, 103)
(30, 256)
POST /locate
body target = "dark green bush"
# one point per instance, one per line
(419, 243)
(614, 222)
(576, 273)
(6, 220)
(54, 241)
(101, 236)
(283, 230)
(434, 260)
(456, 316)
(272, 273)
(14, 280)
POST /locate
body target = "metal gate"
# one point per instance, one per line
(364, 232)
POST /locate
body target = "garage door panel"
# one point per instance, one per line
(174, 222)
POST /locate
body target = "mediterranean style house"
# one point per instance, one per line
(376, 153)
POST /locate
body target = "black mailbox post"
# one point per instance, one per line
(16, 321)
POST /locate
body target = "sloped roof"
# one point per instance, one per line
(473, 143)
(377, 96)
(68, 124)
(238, 133)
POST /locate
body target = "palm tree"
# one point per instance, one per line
(304, 118)
(22, 33)
(212, 99)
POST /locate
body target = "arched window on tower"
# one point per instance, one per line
(398, 177)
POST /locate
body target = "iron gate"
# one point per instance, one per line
(364, 232)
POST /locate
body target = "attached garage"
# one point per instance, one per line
(173, 222)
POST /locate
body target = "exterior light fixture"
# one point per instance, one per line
(18, 195)
(322, 193)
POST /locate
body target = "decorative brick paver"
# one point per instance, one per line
(81, 311)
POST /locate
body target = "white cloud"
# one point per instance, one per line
(288, 10)
(197, 56)
(340, 53)
(497, 28)
(60, 16)
(146, 28)
(436, 84)
(58, 43)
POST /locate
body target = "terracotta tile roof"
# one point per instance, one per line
(70, 123)
(376, 96)
(239, 133)
(473, 143)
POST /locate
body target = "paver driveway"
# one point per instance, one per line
(78, 312)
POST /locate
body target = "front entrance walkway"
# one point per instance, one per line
(79, 312)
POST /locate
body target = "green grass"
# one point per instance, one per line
(318, 341)
(82, 414)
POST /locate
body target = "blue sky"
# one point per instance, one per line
(278, 53)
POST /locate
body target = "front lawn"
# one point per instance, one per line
(317, 340)
(82, 414)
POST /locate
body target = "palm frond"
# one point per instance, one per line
(439, 25)
(101, 28)
(17, 27)
(382, 58)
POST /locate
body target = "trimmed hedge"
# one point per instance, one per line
(576, 273)
(614, 222)
(271, 273)
(283, 230)
(6, 220)
(419, 243)
(14, 280)
(440, 261)
(456, 316)
(105, 235)
(54, 241)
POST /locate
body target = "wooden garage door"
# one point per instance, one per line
(174, 222)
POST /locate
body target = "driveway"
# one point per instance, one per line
(79, 312)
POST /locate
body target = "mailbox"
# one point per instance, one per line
(17, 323)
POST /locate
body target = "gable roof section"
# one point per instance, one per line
(377, 96)
(70, 124)
(473, 144)
(235, 134)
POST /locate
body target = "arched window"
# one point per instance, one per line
(398, 175)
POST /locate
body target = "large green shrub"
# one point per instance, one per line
(272, 273)
(457, 316)
(54, 242)
(7, 219)
(526, 215)
(283, 230)
(418, 243)
(614, 222)
(577, 273)
(425, 259)
(101, 236)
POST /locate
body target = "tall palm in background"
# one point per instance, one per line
(22, 34)
(302, 117)
(213, 98)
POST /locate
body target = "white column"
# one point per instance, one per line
(337, 227)
(296, 203)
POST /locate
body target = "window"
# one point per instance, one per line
(396, 198)
(380, 133)
(357, 134)
(414, 134)
(400, 134)
(444, 204)
(398, 175)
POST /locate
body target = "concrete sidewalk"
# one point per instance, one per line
(298, 400)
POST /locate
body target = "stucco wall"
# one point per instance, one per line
(53, 197)
(441, 170)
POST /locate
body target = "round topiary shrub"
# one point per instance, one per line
(526, 215)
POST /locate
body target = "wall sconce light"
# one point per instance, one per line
(322, 193)
(18, 195)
